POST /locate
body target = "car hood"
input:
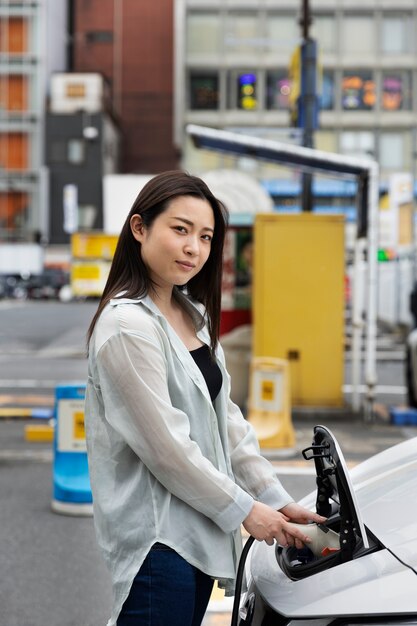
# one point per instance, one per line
(386, 494)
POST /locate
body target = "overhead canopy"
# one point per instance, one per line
(306, 159)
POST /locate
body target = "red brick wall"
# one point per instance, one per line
(145, 79)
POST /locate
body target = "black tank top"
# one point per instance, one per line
(209, 369)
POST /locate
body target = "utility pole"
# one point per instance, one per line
(308, 97)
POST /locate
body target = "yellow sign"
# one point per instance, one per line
(79, 429)
(267, 392)
(88, 278)
(90, 271)
(70, 426)
(93, 246)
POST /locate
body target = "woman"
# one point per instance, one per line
(175, 468)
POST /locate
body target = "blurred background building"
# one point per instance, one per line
(130, 42)
(232, 71)
(165, 64)
(82, 146)
(32, 45)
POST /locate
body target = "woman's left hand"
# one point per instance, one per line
(300, 515)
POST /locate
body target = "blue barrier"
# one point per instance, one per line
(406, 416)
(71, 481)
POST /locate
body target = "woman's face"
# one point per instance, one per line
(178, 243)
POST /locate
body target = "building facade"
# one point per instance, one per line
(232, 71)
(130, 42)
(32, 43)
(82, 146)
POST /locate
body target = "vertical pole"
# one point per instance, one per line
(371, 314)
(70, 35)
(413, 206)
(308, 97)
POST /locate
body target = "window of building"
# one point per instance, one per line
(396, 91)
(203, 33)
(323, 29)
(76, 151)
(327, 91)
(278, 88)
(14, 151)
(99, 36)
(358, 35)
(391, 151)
(13, 209)
(358, 91)
(13, 35)
(396, 33)
(282, 33)
(357, 143)
(14, 93)
(243, 33)
(325, 140)
(204, 91)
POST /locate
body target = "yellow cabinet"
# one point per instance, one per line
(298, 302)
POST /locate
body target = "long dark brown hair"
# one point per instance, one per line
(128, 273)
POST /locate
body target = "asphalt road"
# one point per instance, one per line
(42, 344)
(52, 572)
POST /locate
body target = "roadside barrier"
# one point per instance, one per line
(270, 404)
(71, 481)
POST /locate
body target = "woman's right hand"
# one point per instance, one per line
(266, 524)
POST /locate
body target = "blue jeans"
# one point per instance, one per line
(167, 591)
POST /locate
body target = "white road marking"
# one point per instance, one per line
(44, 456)
(379, 389)
(28, 383)
(6, 304)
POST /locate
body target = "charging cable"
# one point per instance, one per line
(239, 580)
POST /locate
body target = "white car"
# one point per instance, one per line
(370, 575)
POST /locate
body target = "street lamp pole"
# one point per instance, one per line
(308, 96)
(305, 19)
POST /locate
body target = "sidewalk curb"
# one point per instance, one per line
(22, 413)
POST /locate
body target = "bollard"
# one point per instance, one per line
(269, 404)
(71, 481)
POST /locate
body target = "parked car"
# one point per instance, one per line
(44, 286)
(370, 576)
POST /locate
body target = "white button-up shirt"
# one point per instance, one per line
(166, 463)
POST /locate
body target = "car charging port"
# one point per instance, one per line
(343, 537)
(324, 552)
